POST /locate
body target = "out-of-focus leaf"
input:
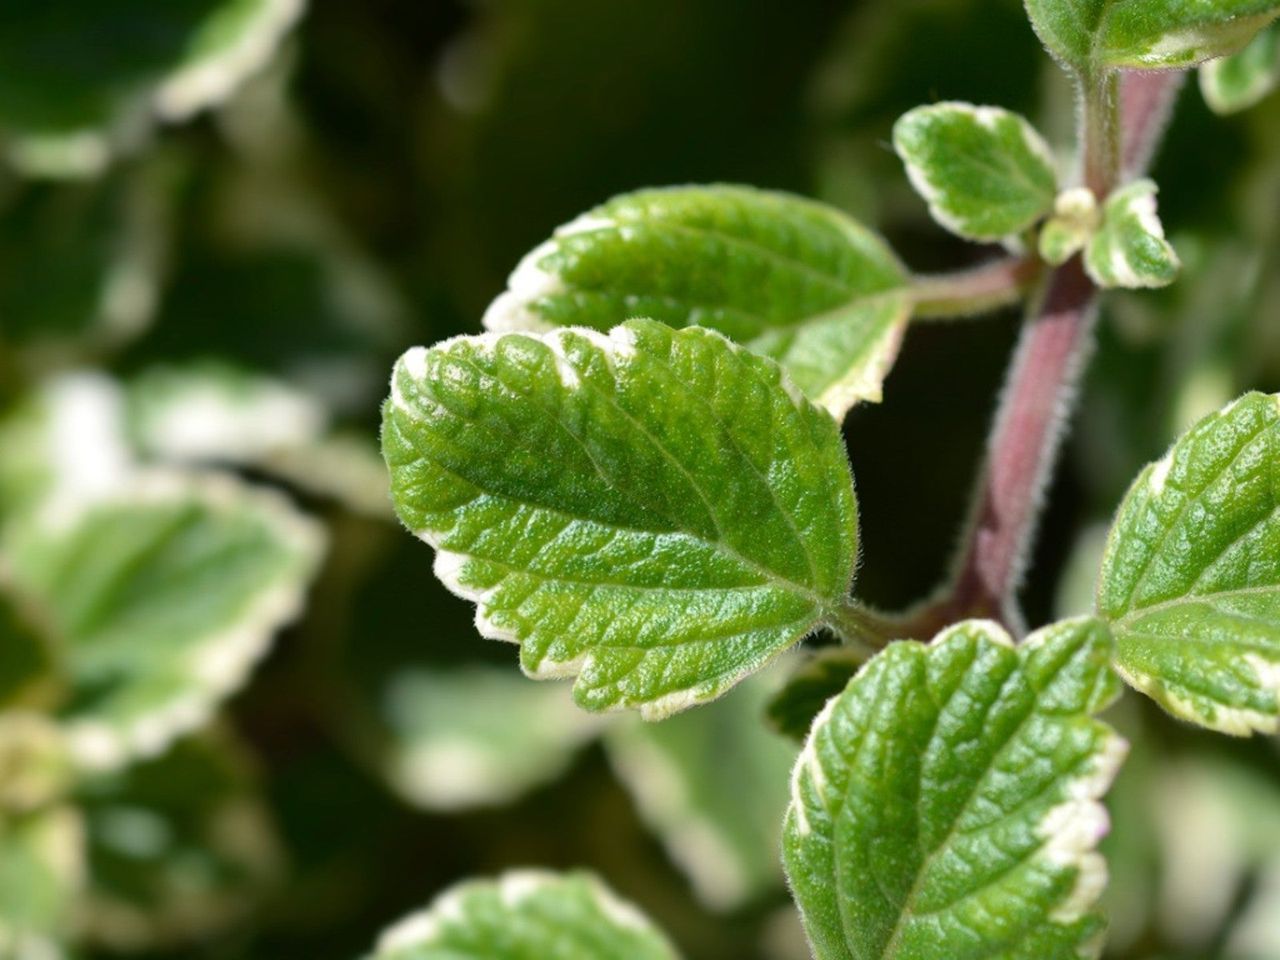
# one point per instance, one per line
(612, 505)
(41, 875)
(83, 79)
(28, 661)
(1238, 82)
(166, 594)
(789, 278)
(217, 413)
(476, 736)
(526, 915)
(713, 784)
(178, 847)
(1191, 577)
(81, 265)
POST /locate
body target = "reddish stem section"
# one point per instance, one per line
(1040, 390)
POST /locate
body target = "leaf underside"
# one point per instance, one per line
(1191, 576)
(656, 511)
(1238, 82)
(946, 803)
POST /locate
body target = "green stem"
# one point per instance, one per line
(859, 628)
(1100, 131)
(1001, 283)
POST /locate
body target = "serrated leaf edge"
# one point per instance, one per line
(1070, 830)
(513, 887)
(619, 343)
(987, 117)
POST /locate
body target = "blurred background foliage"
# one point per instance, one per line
(368, 187)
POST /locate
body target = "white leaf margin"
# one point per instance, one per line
(1070, 831)
(220, 664)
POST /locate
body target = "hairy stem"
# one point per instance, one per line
(1043, 379)
(991, 286)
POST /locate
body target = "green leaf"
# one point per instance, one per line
(1075, 219)
(166, 594)
(178, 847)
(526, 915)
(1093, 35)
(475, 736)
(1191, 575)
(1238, 82)
(1129, 248)
(947, 803)
(216, 413)
(819, 677)
(656, 511)
(67, 114)
(41, 874)
(791, 279)
(986, 173)
(722, 831)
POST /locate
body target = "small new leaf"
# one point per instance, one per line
(820, 677)
(1236, 83)
(656, 511)
(985, 172)
(1191, 575)
(1096, 35)
(946, 804)
(1075, 219)
(1129, 248)
(791, 279)
(164, 596)
(526, 915)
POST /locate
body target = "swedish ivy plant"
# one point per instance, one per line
(637, 475)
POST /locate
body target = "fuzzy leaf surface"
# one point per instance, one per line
(1129, 248)
(526, 915)
(986, 173)
(1191, 576)
(656, 511)
(1092, 35)
(946, 804)
(165, 596)
(791, 279)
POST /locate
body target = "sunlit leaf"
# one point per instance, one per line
(791, 279)
(656, 511)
